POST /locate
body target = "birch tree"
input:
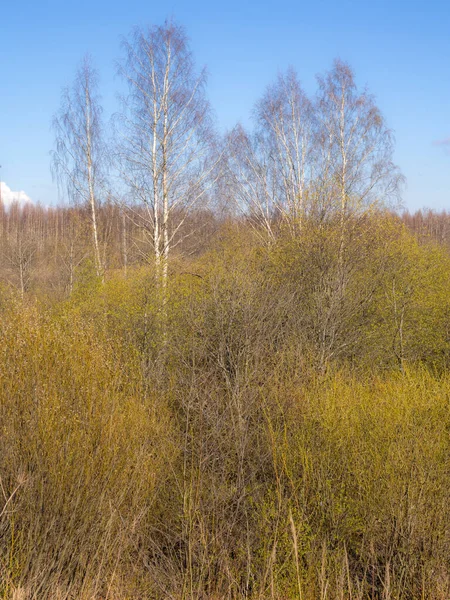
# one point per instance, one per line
(286, 123)
(272, 169)
(251, 182)
(356, 174)
(164, 136)
(356, 147)
(78, 154)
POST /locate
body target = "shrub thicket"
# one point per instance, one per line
(275, 426)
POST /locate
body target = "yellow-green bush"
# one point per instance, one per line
(256, 429)
(86, 449)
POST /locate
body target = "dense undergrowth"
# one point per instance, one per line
(276, 427)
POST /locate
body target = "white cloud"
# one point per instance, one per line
(8, 196)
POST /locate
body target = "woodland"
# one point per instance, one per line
(225, 359)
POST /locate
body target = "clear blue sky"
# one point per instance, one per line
(399, 48)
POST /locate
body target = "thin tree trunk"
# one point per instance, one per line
(98, 267)
(124, 244)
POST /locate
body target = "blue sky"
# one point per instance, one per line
(400, 49)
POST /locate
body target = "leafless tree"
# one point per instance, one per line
(250, 183)
(78, 154)
(165, 136)
(356, 147)
(20, 247)
(356, 175)
(272, 169)
(286, 123)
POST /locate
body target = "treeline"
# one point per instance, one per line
(46, 250)
(226, 375)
